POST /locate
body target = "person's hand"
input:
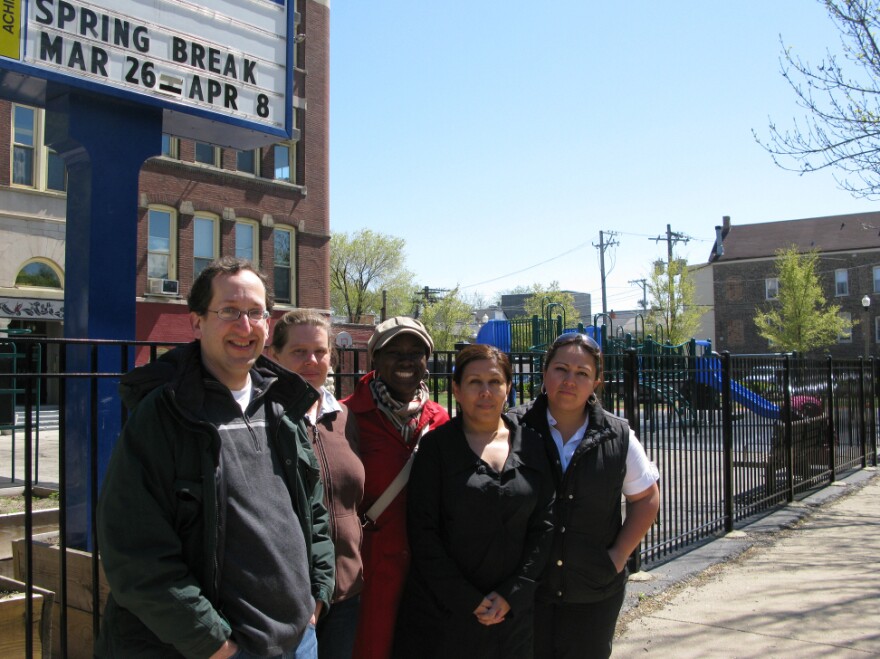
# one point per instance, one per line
(228, 649)
(317, 614)
(492, 609)
(618, 558)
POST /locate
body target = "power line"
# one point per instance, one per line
(531, 267)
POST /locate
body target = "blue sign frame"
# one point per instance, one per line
(27, 83)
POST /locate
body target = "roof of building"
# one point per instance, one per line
(857, 231)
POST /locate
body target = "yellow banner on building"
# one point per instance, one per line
(10, 28)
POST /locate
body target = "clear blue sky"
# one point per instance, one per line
(496, 135)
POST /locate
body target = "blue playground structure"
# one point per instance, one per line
(686, 376)
(708, 372)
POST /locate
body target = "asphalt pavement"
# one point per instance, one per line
(802, 582)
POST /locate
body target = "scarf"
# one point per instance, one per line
(404, 416)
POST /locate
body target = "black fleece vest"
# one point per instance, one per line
(588, 509)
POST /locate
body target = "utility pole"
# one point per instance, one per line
(671, 238)
(602, 247)
(643, 284)
(426, 296)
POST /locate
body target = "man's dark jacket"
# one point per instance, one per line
(158, 511)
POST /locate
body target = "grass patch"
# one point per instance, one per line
(15, 503)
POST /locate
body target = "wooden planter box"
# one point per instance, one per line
(46, 561)
(12, 527)
(13, 617)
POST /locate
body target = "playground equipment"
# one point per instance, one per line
(686, 376)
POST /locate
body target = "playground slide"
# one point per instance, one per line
(709, 372)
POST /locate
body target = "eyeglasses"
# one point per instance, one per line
(231, 314)
(575, 337)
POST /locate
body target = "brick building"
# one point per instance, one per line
(196, 202)
(744, 277)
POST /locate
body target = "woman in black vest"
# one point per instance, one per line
(596, 458)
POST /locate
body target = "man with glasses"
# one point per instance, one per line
(211, 523)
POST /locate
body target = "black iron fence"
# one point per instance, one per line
(732, 435)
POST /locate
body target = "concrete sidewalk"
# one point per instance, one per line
(802, 582)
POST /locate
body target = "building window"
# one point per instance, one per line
(207, 154)
(283, 265)
(876, 329)
(735, 332)
(771, 288)
(246, 161)
(39, 274)
(841, 282)
(733, 289)
(877, 278)
(34, 165)
(846, 335)
(170, 146)
(282, 162)
(24, 136)
(205, 239)
(161, 244)
(246, 240)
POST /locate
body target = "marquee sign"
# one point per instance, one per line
(226, 60)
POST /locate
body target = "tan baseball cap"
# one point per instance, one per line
(387, 330)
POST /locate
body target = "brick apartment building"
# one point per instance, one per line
(744, 277)
(196, 202)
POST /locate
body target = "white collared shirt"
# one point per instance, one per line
(326, 405)
(641, 473)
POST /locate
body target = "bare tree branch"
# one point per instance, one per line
(841, 97)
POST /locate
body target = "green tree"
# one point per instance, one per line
(841, 97)
(364, 264)
(448, 319)
(672, 301)
(800, 319)
(541, 296)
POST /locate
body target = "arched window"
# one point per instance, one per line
(40, 274)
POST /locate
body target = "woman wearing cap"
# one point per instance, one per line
(393, 411)
(479, 515)
(596, 458)
(301, 343)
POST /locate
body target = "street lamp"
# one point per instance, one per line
(866, 305)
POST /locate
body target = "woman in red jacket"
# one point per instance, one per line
(393, 410)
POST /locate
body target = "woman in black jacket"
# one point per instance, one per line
(478, 517)
(596, 458)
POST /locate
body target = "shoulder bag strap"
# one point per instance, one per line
(395, 486)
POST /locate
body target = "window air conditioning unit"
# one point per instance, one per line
(163, 287)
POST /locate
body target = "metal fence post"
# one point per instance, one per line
(631, 389)
(831, 430)
(873, 409)
(787, 430)
(863, 421)
(631, 412)
(727, 441)
(28, 496)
